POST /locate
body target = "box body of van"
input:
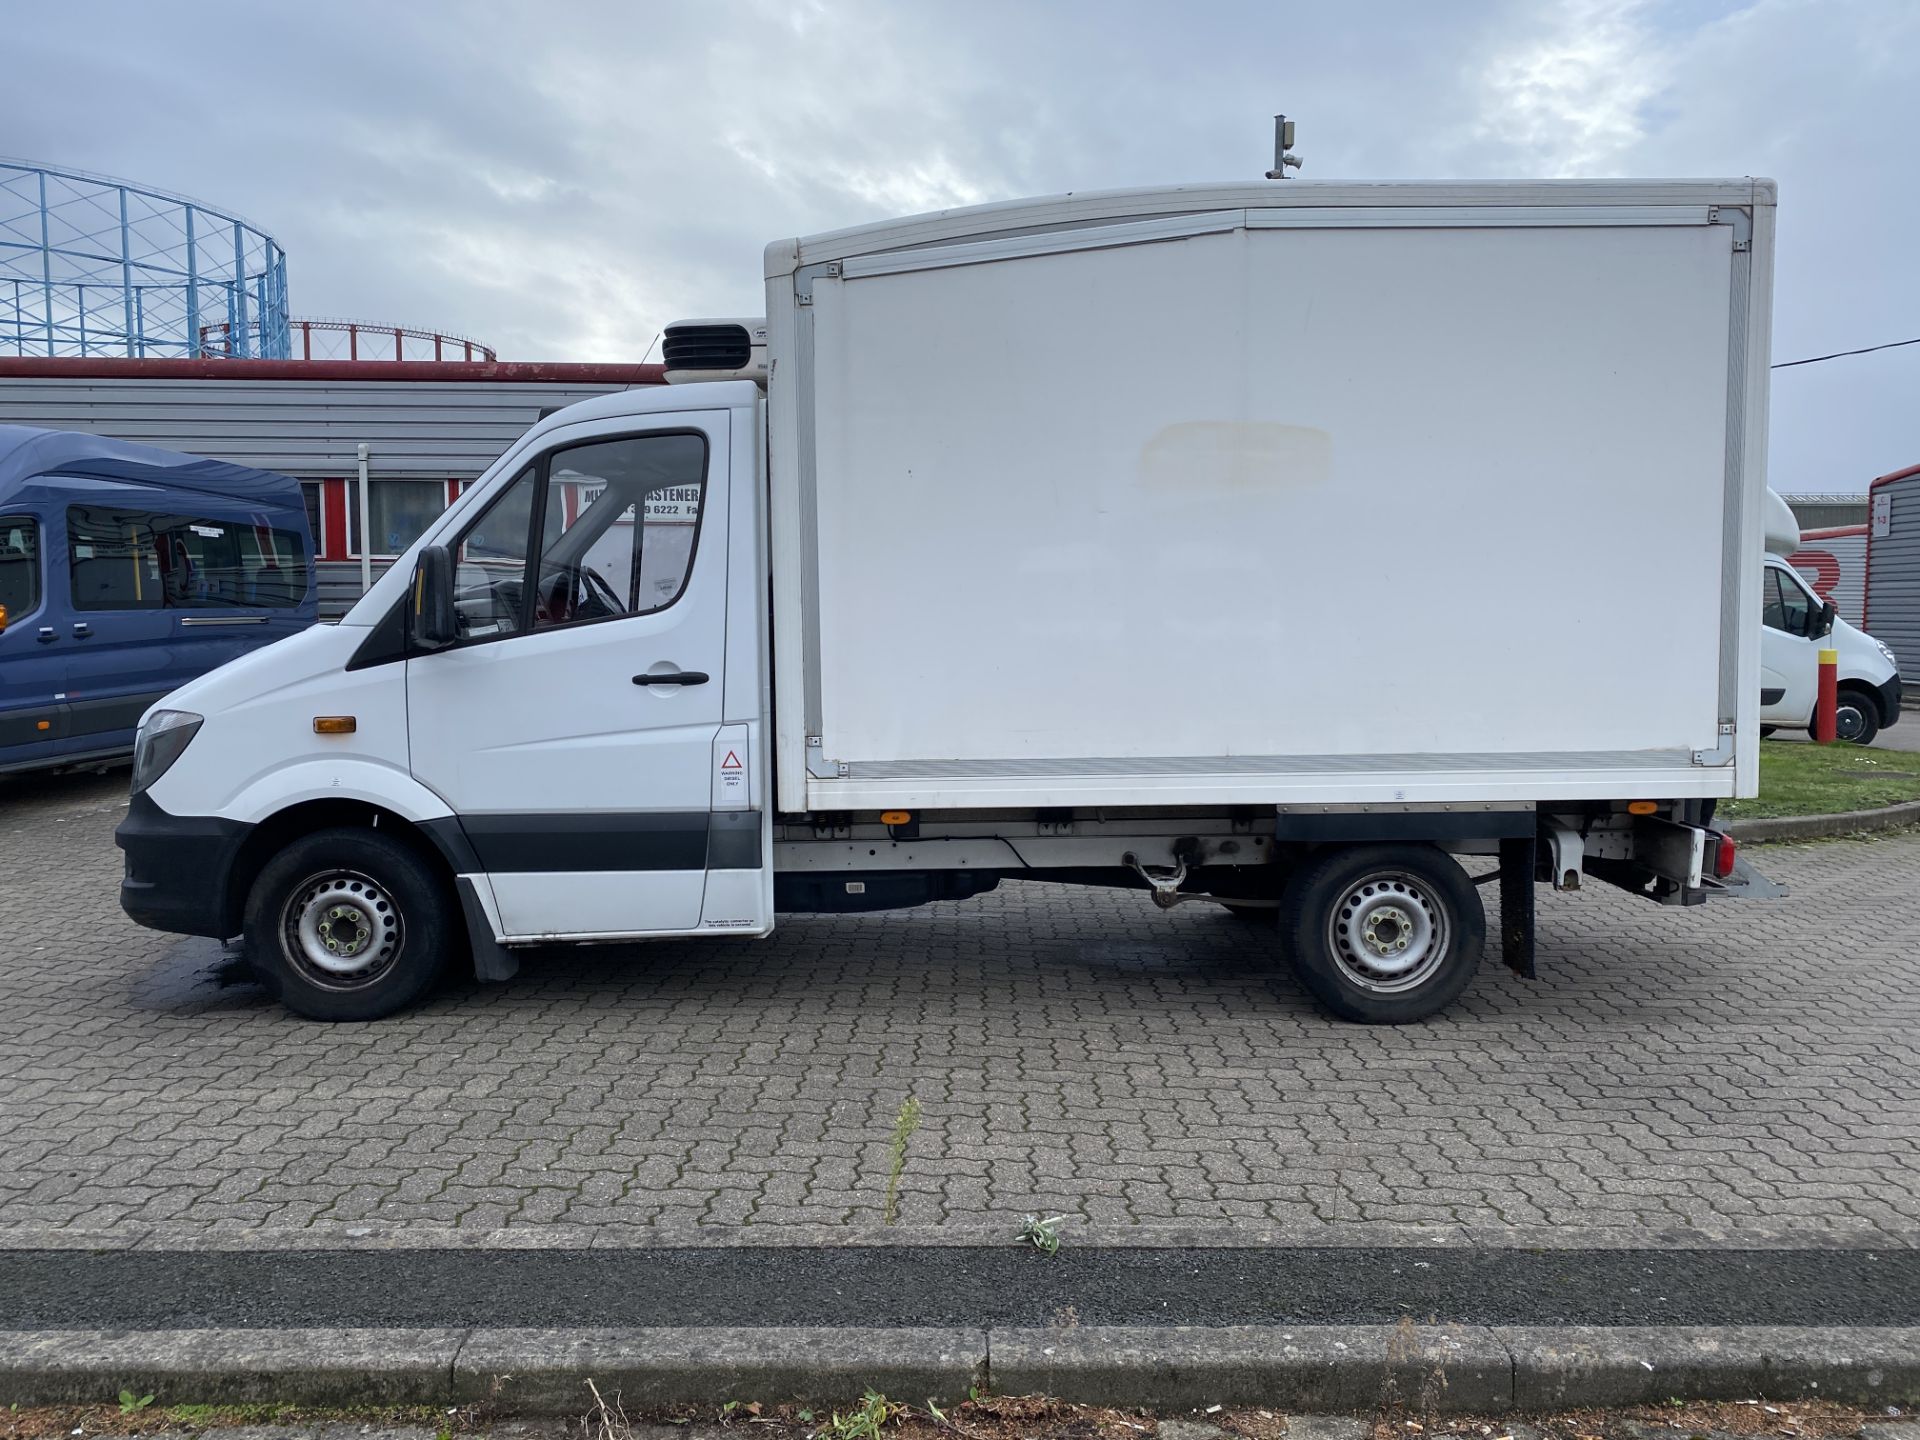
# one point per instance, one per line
(1147, 539)
(126, 571)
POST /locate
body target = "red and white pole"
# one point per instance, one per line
(1827, 698)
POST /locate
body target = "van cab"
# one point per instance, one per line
(126, 571)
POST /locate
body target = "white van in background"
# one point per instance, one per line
(1796, 626)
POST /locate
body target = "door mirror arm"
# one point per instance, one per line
(430, 613)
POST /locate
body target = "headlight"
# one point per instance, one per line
(1886, 650)
(163, 736)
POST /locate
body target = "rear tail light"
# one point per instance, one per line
(1722, 856)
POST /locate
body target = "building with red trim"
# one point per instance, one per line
(1892, 610)
(430, 428)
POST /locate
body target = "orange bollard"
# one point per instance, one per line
(1828, 696)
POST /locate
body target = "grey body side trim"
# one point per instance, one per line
(614, 842)
(1128, 765)
(1732, 510)
(808, 491)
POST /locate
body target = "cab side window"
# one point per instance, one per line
(132, 560)
(622, 519)
(1787, 606)
(1772, 613)
(490, 564)
(19, 565)
(602, 531)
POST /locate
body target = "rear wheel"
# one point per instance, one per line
(1856, 716)
(1384, 934)
(348, 924)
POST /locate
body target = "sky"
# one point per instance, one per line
(560, 180)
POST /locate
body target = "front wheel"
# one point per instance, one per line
(1856, 716)
(348, 924)
(1384, 934)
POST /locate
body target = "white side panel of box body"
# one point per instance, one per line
(1284, 508)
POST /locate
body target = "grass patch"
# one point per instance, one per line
(1797, 778)
(904, 1124)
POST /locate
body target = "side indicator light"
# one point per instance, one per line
(895, 817)
(334, 724)
(1642, 807)
(43, 725)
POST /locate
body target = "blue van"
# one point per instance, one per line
(125, 571)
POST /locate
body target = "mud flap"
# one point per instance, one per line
(1517, 861)
(491, 960)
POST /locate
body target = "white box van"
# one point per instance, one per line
(1143, 539)
(1796, 625)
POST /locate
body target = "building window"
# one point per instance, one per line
(401, 511)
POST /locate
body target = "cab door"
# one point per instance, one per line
(574, 726)
(1789, 656)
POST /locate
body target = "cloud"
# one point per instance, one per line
(1568, 99)
(562, 190)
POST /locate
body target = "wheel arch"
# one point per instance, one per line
(1869, 694)
(440, 842)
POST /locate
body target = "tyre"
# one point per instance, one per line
(348, 924)
(1856, 716)
(1384, 934)
(1767, 730)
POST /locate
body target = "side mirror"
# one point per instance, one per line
(1823, 622)
(430, 616)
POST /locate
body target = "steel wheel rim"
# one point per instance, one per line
(341, 930)
(1388, 932)
(1849, 721)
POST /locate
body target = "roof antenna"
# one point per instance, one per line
(1283, 155)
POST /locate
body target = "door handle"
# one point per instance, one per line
(674, 677)
(81, 629)
(46, 634)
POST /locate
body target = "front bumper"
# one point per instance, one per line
(179, 870)
(1889, 696)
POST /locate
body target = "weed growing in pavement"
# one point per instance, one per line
(254, 1412)
(131, 1404)
(904, 1124)
(608, 1422)
(1405, 1352)
(1043, 1235)
(864, 1422)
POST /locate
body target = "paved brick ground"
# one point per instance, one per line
(1074, 1052)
